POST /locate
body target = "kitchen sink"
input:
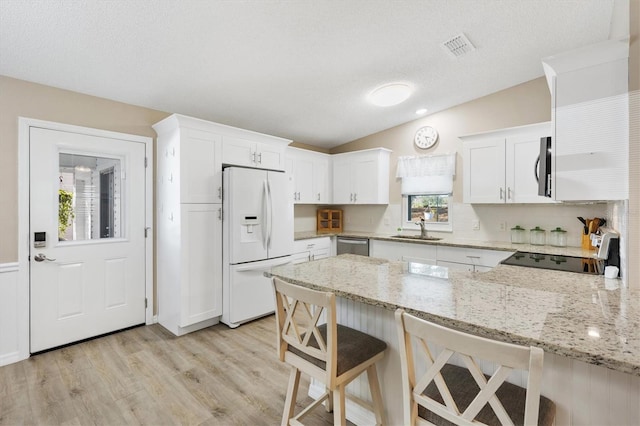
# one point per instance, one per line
(416, 237)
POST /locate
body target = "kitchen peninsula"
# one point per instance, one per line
(583, 322)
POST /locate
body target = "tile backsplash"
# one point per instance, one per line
(385, 219)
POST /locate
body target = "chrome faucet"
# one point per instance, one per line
(423, 230)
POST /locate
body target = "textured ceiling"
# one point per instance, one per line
(295, 69)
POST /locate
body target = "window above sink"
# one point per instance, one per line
(434, 208)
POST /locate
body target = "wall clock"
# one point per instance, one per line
(425, 137)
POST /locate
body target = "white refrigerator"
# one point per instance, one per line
(257, 235)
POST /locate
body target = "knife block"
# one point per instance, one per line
(586, 242)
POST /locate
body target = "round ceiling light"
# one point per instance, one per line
(390, 94)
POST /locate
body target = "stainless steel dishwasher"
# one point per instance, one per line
(359, 246)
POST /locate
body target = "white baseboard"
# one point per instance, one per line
(10, 358)
(355, 413)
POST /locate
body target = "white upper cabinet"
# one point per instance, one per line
(245, 152)
(590, 111)
(501, 166)
(310, 171)
(361, 177)
(189, 163)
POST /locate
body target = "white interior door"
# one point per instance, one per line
(88, 268)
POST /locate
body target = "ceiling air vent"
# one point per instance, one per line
(458, 46)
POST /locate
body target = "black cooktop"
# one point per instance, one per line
(585, 265)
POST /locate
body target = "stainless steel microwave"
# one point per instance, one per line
(543, 167)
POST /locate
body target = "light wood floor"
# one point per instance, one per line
(216, 376)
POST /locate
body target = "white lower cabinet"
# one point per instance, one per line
(311, 249)
(408, 252)
(462, 258)
(189, 267)
(470, 259)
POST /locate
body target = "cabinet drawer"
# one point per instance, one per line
(407, 252)
(312, 244)
(471, 256)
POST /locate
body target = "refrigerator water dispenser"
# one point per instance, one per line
(250, 230)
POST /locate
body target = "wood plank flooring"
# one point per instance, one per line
(147, 376)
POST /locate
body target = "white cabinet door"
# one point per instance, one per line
(239, 152)
(501, 166)
(342, 192)
(321, 180)
(471, 256)
(385, 249)
(484, 170)
(521, 169)
(269, 157)
(201, 263)
(365, 180)
(248, 153)
(303, 180)
(311, 249)
(361, 177)
(200, 167)
(408, 252)
(310, 171)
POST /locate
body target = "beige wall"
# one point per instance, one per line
(526, 103)
(23, 99)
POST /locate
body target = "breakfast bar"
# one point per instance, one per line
(588, 326)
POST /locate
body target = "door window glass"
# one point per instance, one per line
(89, 197)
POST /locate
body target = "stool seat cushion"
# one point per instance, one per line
(463, 388)
(354, 347)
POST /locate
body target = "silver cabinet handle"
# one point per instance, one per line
(318, 196)
(355, 197)
(253, 157)
(501, 192)
(220, 213)
(351, 197)
(220, 192)
(260, 158)
(40, 257)
(508, 193)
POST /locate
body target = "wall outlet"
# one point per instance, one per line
(503, 226)
(475, 225)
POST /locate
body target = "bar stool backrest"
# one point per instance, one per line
(469, 348)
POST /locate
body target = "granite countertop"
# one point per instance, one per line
(458, 242)
(584, 317)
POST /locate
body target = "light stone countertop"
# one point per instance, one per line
(458, 242)
(580, 316)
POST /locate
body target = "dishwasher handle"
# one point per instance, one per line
(350, 241)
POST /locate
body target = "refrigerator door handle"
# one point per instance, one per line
(265, 208)
(269, 214)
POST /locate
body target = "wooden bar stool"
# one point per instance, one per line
(330, 353)
(448, 394)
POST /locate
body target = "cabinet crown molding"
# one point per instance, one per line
(182, 121)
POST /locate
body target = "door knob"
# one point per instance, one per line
(42, 257)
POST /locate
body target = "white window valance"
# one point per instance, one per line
(427, 174)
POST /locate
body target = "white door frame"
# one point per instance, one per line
(23, 216)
